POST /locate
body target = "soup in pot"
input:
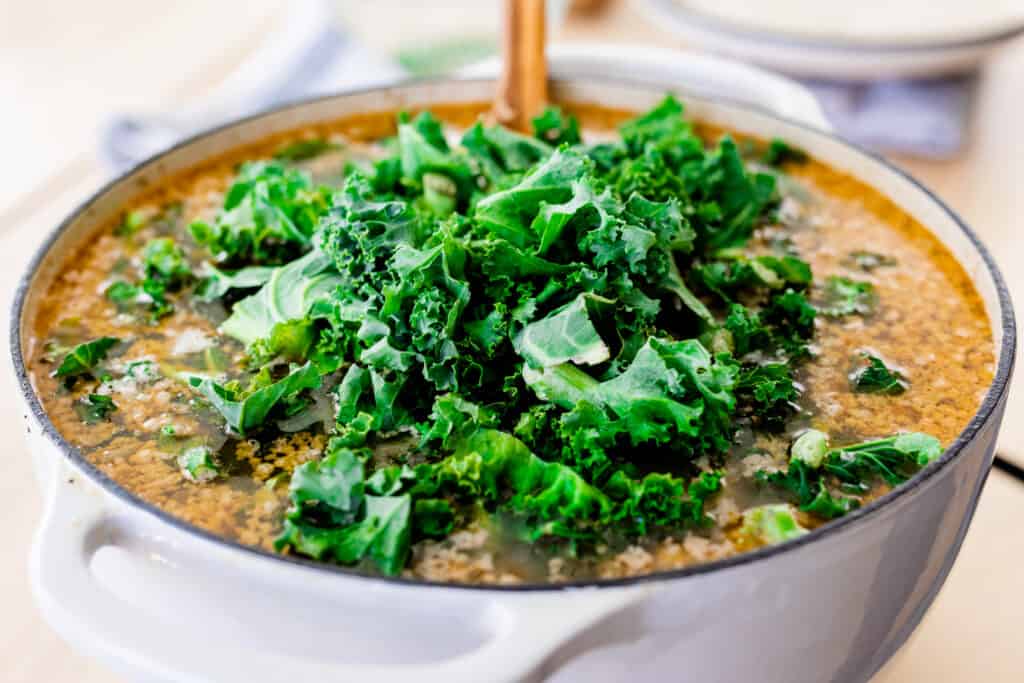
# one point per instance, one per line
(424, 345)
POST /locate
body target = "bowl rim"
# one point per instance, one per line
(994, 395)
(685, 16)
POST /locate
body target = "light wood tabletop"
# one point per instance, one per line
(115, 54)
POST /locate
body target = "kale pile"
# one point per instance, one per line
(557, 331)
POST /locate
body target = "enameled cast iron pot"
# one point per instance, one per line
(160, 600)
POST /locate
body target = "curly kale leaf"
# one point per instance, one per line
(556, 127)
(791, 319)
(672, 393)
(304, 150)
(363, 231)
(730, 200)
(269, 215)
(768, 394)
(510, 213)
(332, 517)
(779, 152)
(164, 261)
(502, 153)
(423, 151)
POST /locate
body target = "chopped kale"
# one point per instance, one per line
(268, 217)
(768, 393)
(814, 477)
(83, 358)
(780, 152)
(844, 296)
(198, 465)
(94, 408)
(304, 149)
(565, 336)
(245, 410)
(556, 128)
(873, 376)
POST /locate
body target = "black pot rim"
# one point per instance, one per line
(993, 397)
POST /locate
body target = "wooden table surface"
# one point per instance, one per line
(100, 60)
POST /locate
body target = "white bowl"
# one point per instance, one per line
(158, 599)
(831, 57)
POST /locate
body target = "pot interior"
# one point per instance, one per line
(902, 190)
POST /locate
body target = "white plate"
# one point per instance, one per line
(856, 52)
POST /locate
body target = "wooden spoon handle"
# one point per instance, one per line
(523, 84)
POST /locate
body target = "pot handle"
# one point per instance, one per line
(519, 631)
(700, 74)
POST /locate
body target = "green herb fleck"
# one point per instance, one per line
(83, 358)
(94, 408)
(875, 377)
(844, 296)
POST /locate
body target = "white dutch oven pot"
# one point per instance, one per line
(159, 600)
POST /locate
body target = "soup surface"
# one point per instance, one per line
(462, 354)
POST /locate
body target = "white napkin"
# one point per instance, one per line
(925, 118)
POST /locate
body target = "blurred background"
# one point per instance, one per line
(87, 89)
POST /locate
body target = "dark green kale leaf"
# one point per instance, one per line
(843, 296)
(730, 201)
(556, 128)
(875, 377)
(424, 151)
(648, 175)
(738, 273)
(497, 467)
(566, 334)
(768, 394)
(331, 516)
(217, 283)
(674, 392)
(268, 217)
(164, 268)
(808, 490)
(164, 261)
(304, 150)
(289, 295)
(82, 359)
(501, 152)
(510, 214)
(94, 408)
(363, 231)
(791, 319)
(780, 152)
(892, 460)
(747, 329)
(649, 503)
(662, 128)
(246, 410)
